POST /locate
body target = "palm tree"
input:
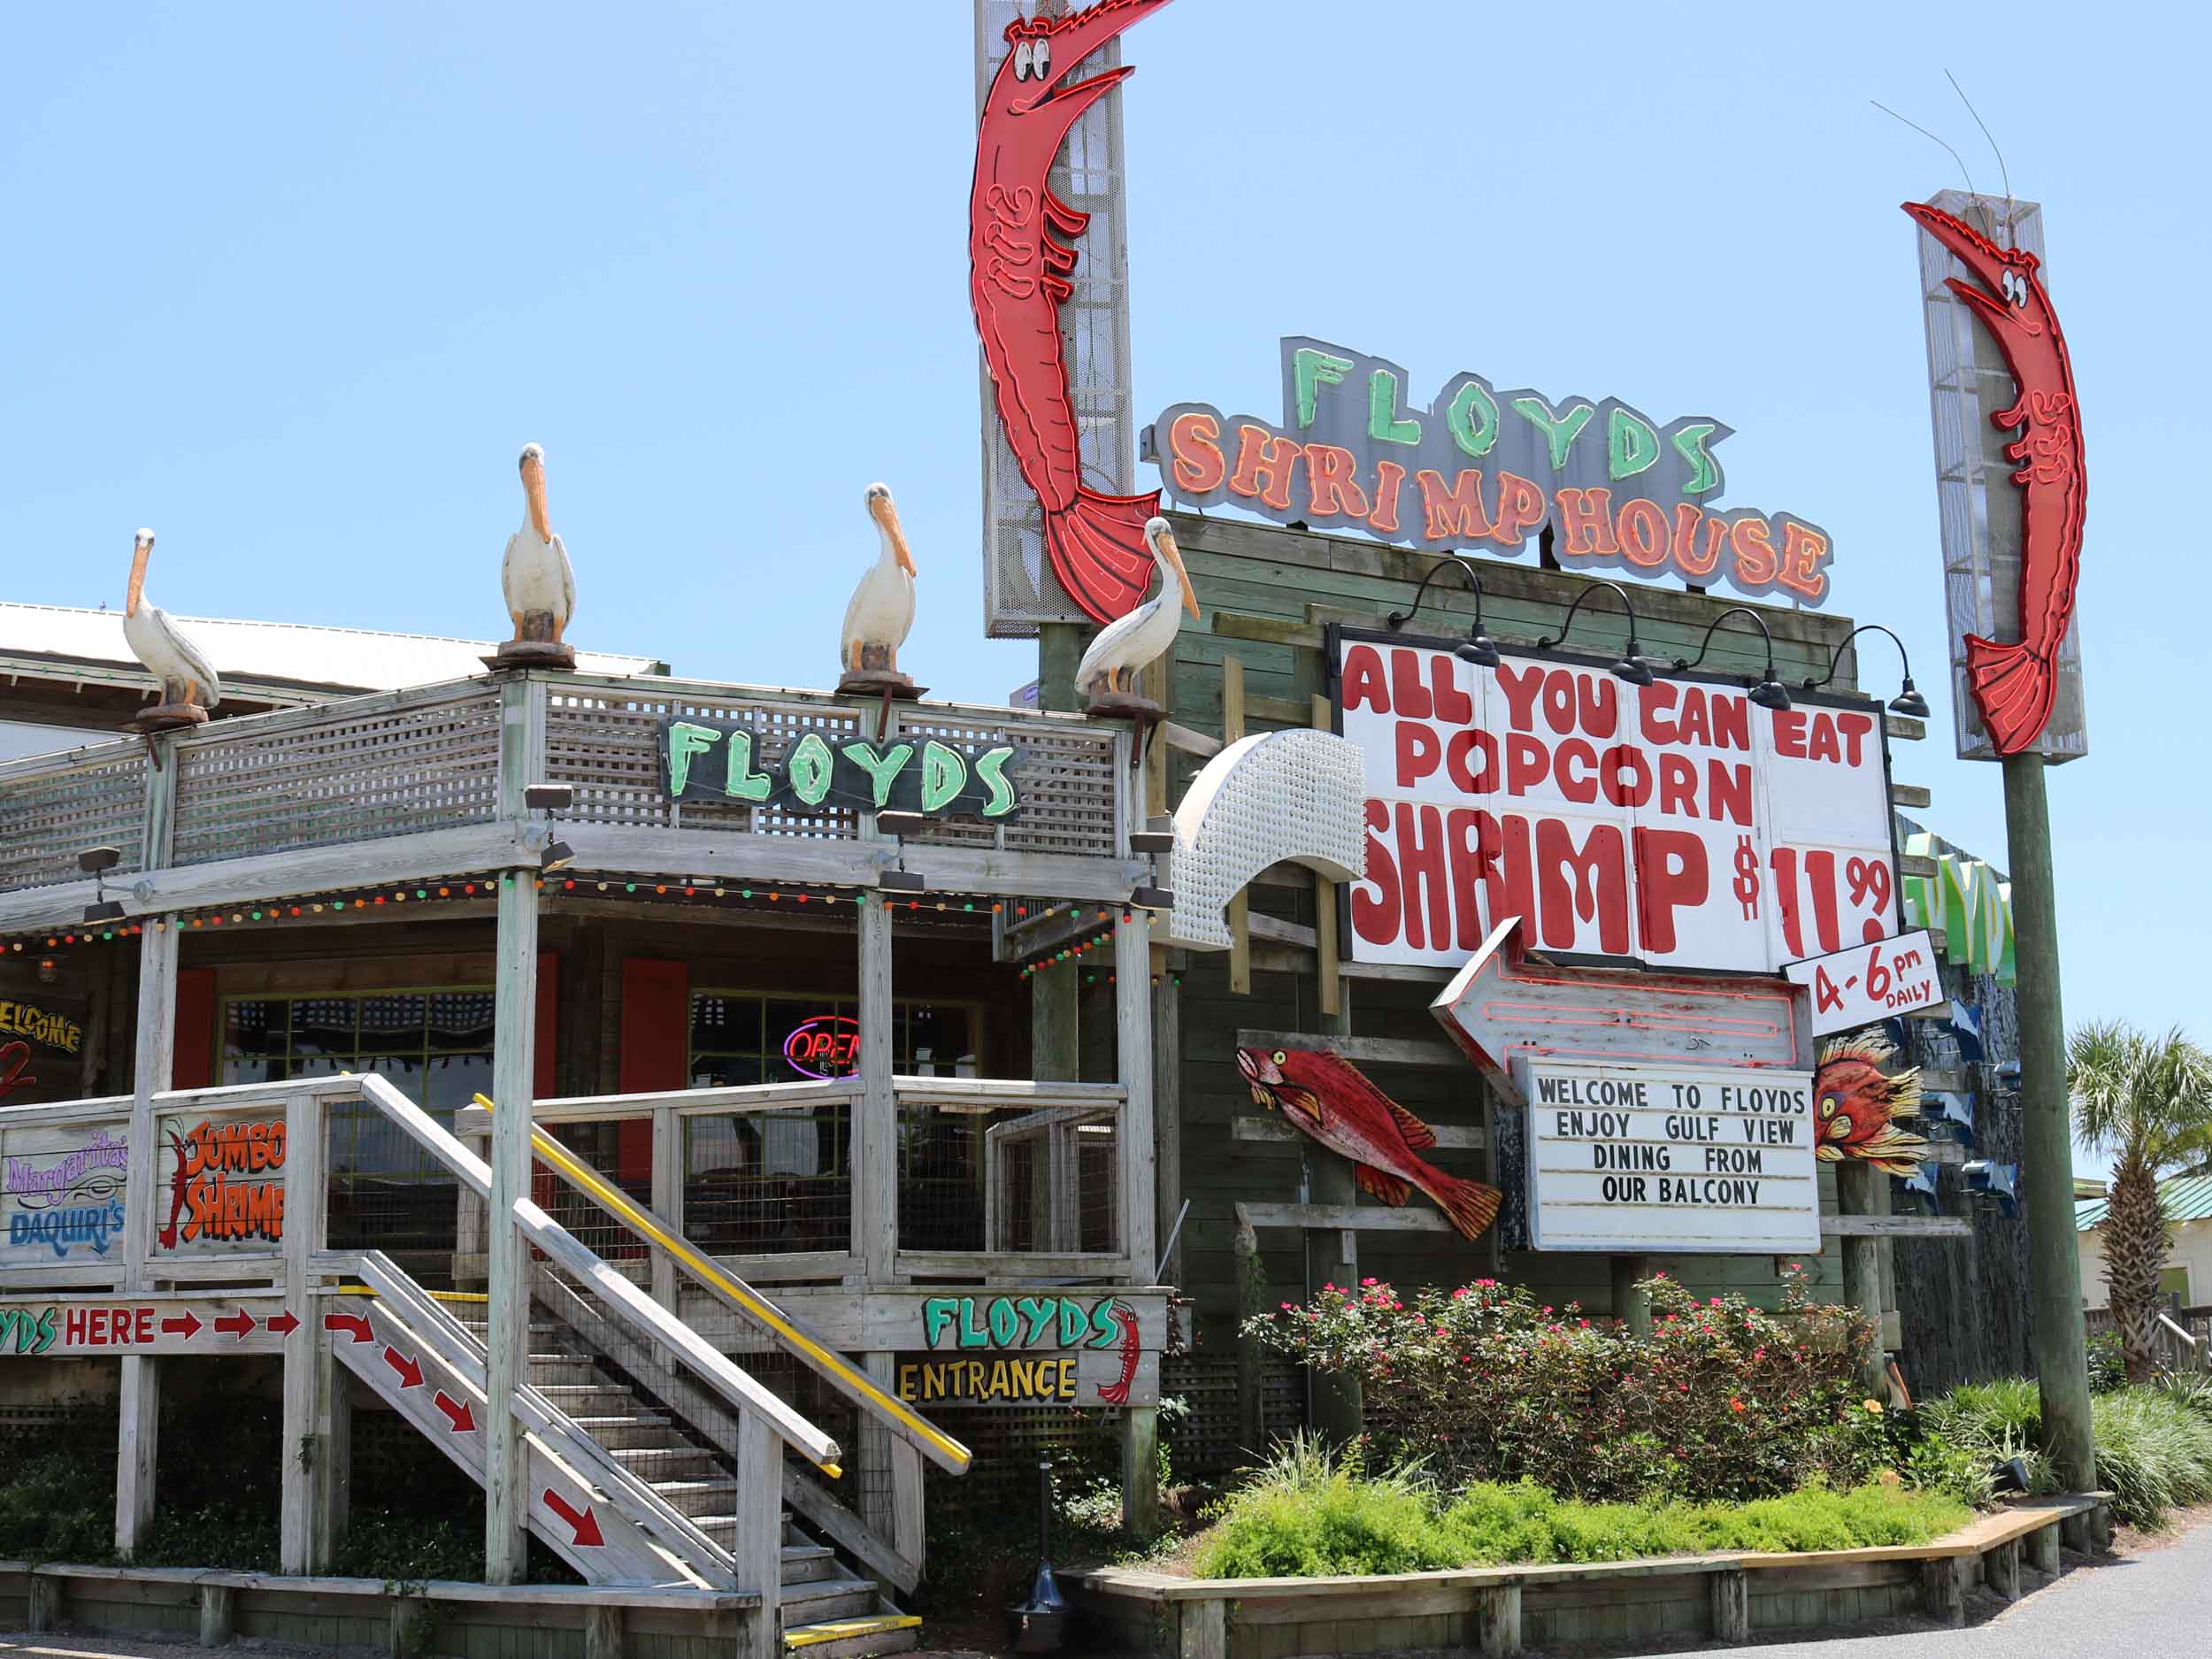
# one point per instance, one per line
(2146, 1102)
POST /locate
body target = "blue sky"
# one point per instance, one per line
(293, 285)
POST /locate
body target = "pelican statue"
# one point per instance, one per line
(1126, 644)
(188, 686)
(541, 588)
(882, 607)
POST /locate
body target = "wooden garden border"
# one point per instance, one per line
(1497, 1610)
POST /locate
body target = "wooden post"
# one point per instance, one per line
(876, 1136)
(1498, 1621)
(2073, 1531)
(1339, 1402)
(1731, 1603)
(1856, 1182)
(1054, 1051)
(1202, 1631)
(668, 1197)
(758, 1542)
(45, 1602)
(1141, 1471)
(1240, 911)
(514, 1047)
(1133, 1141)
(1943, 1589)
(1329, 995)
(1629, 1307)
(2043, 1550)
(219, 1614)
(1251, 1357)
(603, 1632)
(311, 1372)
(2001, 1567)
(1167, 1117)
(138, 1439)
(2101, 1529)
(874, 1475)
(2060, 1343)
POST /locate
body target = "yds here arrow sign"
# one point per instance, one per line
(1501, 1006)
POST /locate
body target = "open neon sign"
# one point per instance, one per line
(827, 1045)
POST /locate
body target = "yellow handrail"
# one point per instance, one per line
(949, 1452)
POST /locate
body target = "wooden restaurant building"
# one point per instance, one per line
(845, 1166)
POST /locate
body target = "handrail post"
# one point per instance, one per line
(139, 1413)
(514, 1031)
(668, 1196)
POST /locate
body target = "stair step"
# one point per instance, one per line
(855, 1638)
(802, 1563)
(711, 1495)
(819, 1599)
(663, 1463)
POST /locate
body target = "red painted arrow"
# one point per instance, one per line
(584, 1523)
(1501, 1005)
(284, 1323)
(456, 1411)
(239, 1324)
(184, 1325)
(409, 1374)
(352, 1322)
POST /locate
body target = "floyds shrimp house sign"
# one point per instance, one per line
(1487, 470)
(1675, 824)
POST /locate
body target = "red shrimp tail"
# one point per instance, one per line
(1098, 550)
(2013, 688)
(1470, 1206)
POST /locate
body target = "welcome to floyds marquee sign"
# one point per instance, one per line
(1487, 470)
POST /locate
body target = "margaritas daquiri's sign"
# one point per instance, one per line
(718, 761)
(1486, 470)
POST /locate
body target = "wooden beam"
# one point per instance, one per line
(1371, 1050)
(1449, 1137)
(1189, 742)
(1896, 1227)
(1911, 794)
(1357, 1218)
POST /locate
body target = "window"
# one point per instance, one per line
(435, 1046)
(2174, 1281)
(776, 1183)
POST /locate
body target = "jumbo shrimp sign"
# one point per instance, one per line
(1677, 825)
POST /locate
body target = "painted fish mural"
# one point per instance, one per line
(2014, 685)
(1018, 256)
(1327, 1098)
(1856, 1105)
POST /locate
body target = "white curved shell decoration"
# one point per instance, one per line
(1296, 798)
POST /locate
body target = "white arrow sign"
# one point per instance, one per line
(1499, 1007)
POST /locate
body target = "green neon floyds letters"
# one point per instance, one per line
(744, 782)
(882, 770)
(944, 775)
(1312, 369)
(990, 769)
(811, 766)
(687, 738)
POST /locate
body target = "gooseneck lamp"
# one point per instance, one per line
(1477, 647)
(1766, 691)
(1631, 666)
(1909, 701)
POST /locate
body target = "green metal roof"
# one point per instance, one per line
(2183, 1198)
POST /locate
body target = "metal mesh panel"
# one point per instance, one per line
(768, 1183)
(1057, 1188)
(1019, 587)
(1978, 505)
(322, 777)
(53, 807)
(607, 743)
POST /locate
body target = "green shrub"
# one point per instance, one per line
(1305, 1515)
(2154, 1446)
(1723, 1400)
(2107, 1363)
(54, 1508)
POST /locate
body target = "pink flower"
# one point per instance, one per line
(1715, 1302)
(1459, 1294)
(1367, 1281)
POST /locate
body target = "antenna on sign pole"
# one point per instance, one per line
(2003, 172)
(1925, 133)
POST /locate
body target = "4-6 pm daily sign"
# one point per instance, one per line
(1674, 1158)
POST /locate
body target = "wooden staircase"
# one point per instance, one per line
(828, 1610)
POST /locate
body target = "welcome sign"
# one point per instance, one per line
(1487, 470)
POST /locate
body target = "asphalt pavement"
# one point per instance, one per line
(2155, 1603)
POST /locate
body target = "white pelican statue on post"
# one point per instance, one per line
(1126, 646)
(540, 587)
(881, 610)
(188, 686)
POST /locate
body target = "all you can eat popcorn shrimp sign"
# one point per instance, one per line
(1677, 825)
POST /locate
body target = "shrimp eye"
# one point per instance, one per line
(1024, 56)
(1042, 61)
(2020, 293)
(1280, 1056)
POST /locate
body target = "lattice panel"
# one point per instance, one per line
(607, 745)
(1065, 777)
(52, 809)
(321, 779)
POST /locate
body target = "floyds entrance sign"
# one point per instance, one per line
(716, 761)
(1627, 1158)
(1676, 824)
(1486, 469)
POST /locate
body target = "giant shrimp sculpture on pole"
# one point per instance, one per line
(2015, 683)
(1016, 280)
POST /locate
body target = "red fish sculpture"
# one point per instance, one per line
(1326, 1097)
(1019, 256)
(2016, 684)
(1856, 1105)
